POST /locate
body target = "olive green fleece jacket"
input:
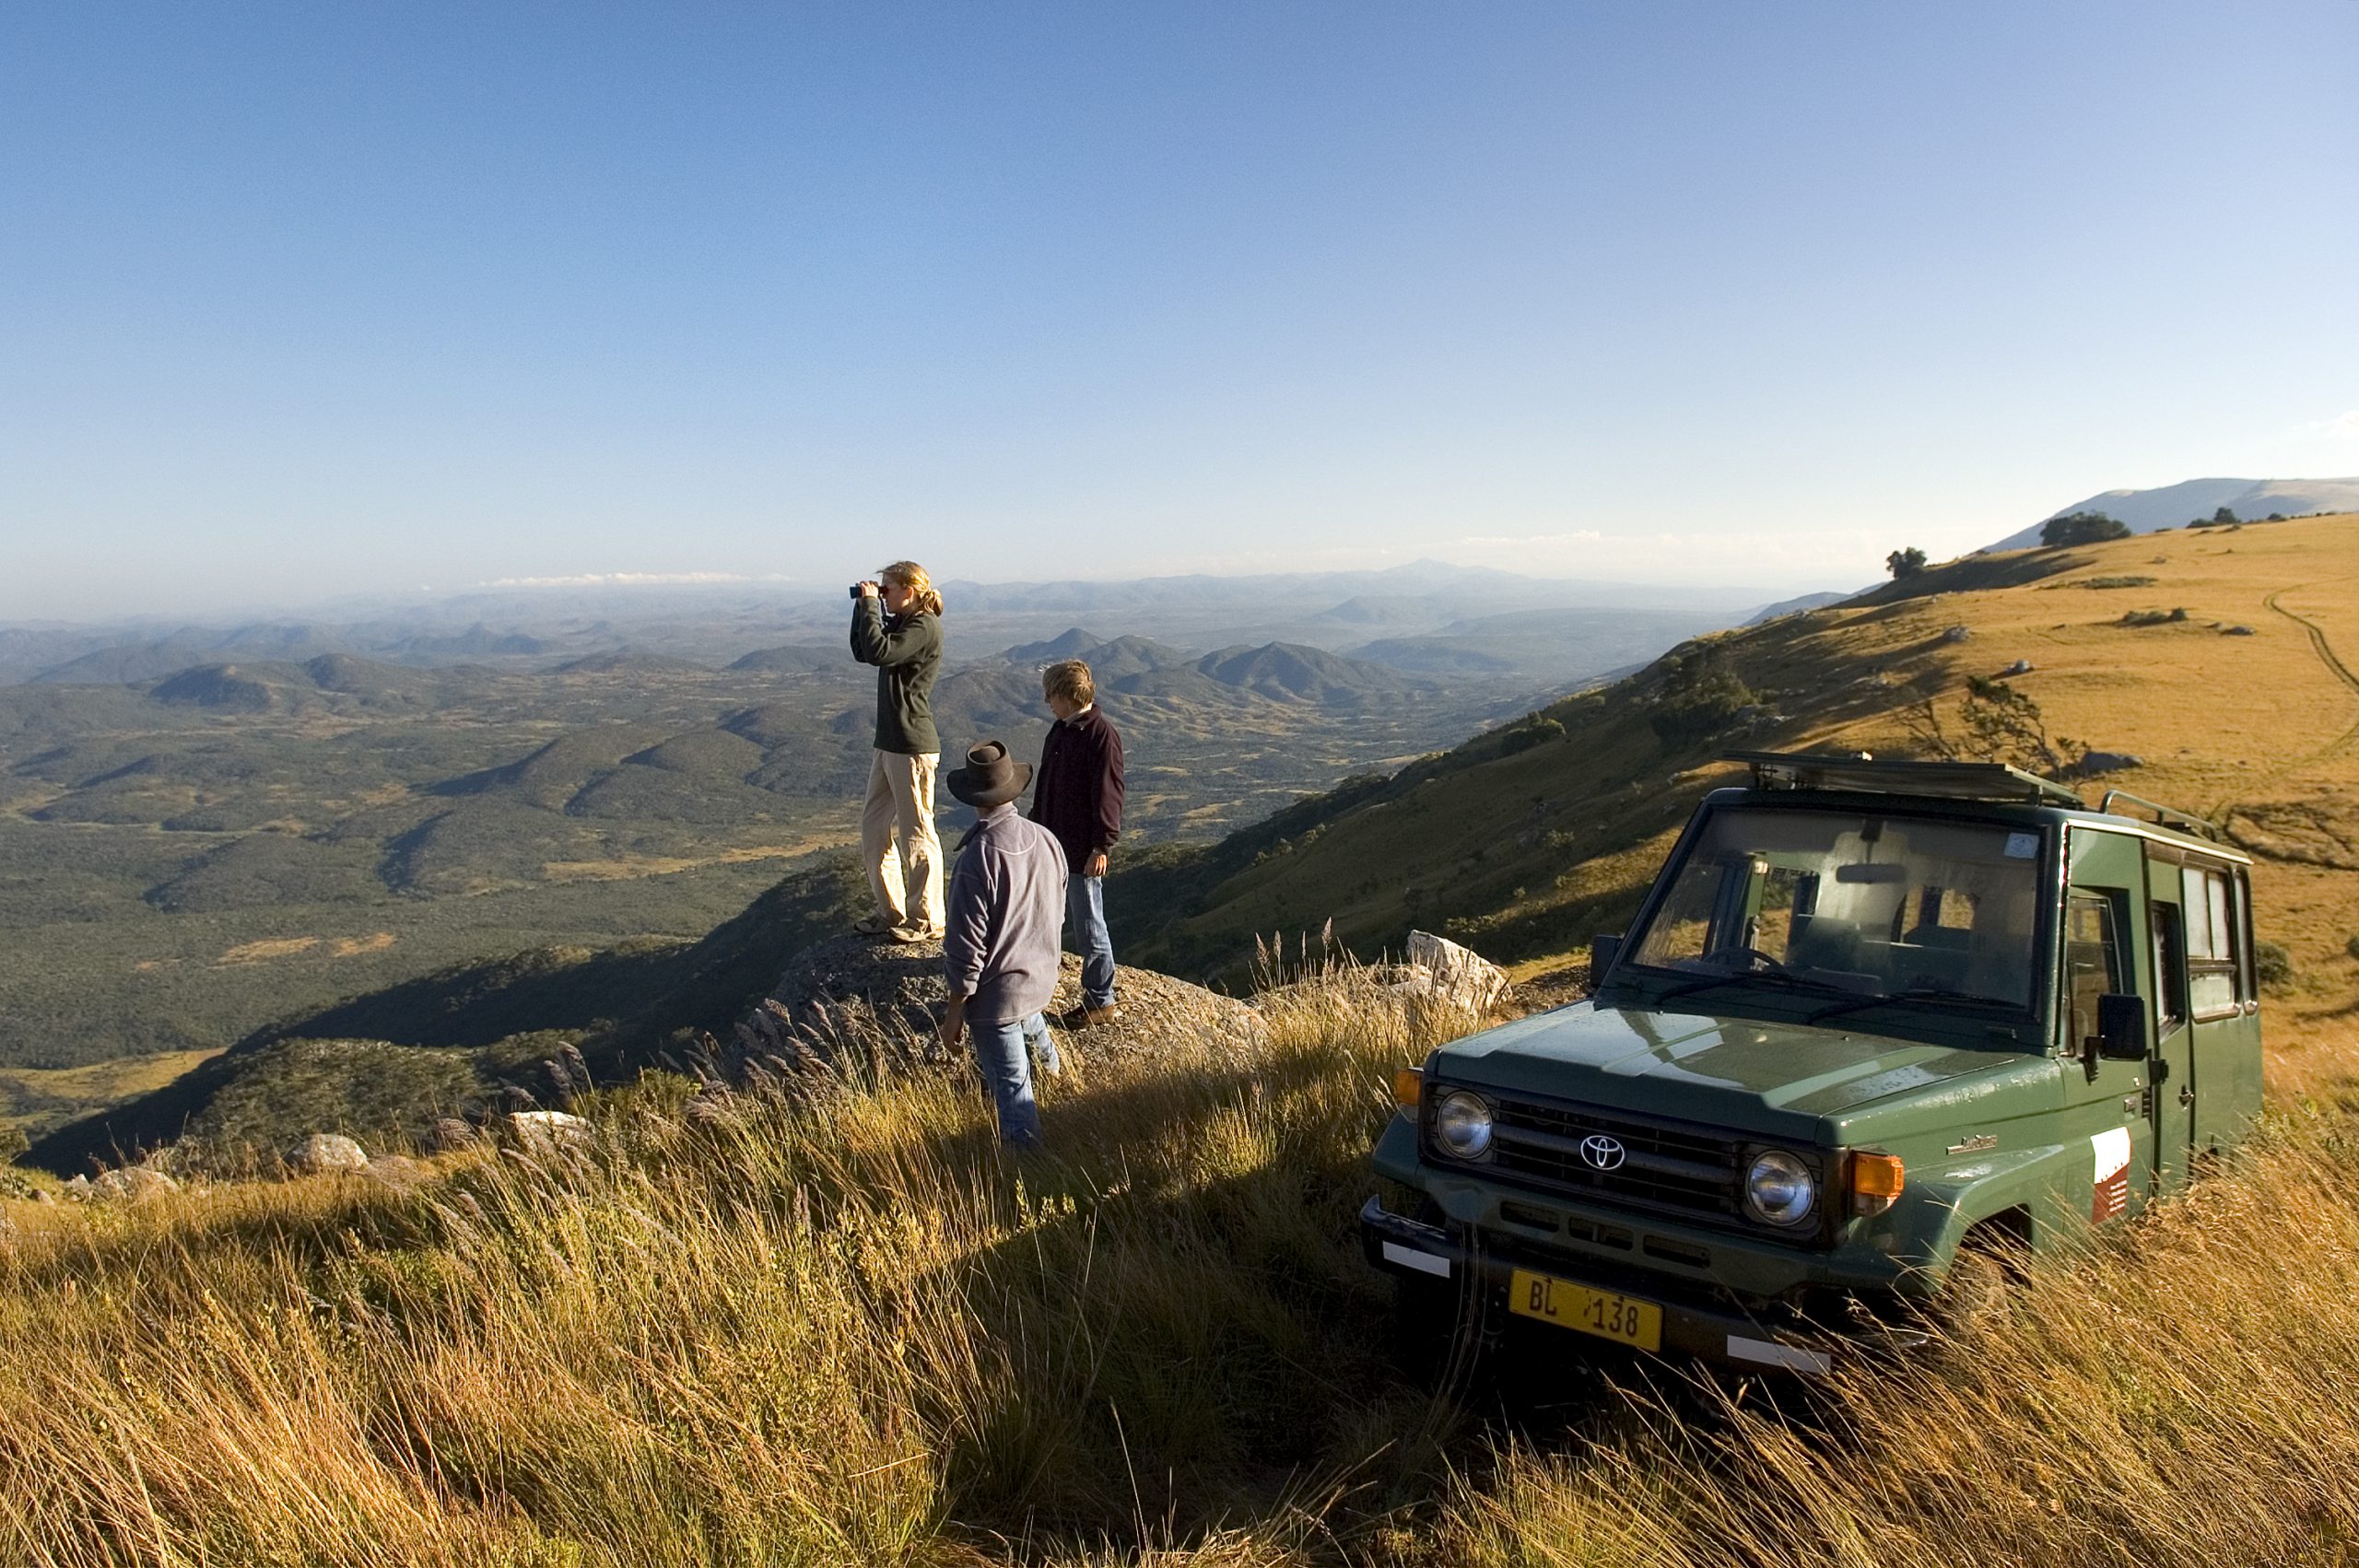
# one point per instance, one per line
(907, 652)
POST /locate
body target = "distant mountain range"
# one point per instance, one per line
(2175, 506)
(787, 628)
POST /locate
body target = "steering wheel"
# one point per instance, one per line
(1754, 958)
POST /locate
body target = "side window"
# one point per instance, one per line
(2248, 983)
(2170, 967)
(2092, 963)
(2215, 941)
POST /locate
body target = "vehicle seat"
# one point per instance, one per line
(1820, 943)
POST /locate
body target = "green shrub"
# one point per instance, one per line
(1698, 697)
(2272, 964)
(2082, 528)
(2351, 947)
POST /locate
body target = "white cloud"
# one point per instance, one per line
(2343, 427)
(1480, 541)
(635, 580)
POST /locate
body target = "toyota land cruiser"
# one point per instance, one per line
(1874, 1023)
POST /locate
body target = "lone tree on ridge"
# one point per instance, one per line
(2081, 528)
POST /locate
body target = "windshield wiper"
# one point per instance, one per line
(1754, 977)
(1912, 993)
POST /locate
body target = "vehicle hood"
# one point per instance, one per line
(1775, 1077)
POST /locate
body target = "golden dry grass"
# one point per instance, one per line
(849, 1330)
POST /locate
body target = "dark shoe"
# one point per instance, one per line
(876, 926)
(1084, 1015)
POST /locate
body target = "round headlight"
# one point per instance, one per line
(1781, 1189)
(1462, 1124)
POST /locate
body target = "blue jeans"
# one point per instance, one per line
(1000, 1051)
(1085, 926)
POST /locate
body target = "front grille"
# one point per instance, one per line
(1664, 1164)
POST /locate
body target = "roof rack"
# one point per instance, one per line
(1942, 780)
(2165, 816)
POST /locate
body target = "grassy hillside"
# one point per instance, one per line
(1528, 841)
(845, 1329)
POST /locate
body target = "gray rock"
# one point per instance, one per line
(2020, 667)
(542, 1132)
(7, 1228)
(1956, 633)
(42, 1195)
(324, 1152)
(1451, 974)
(129, 1184)
(2236, 631)
(2094, 763)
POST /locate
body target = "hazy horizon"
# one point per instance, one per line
(653, 592)
(304, 303)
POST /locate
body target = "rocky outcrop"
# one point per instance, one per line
(852, 999)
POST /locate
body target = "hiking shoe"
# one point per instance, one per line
(875, 925)
(916, 933)
(1081, 1017)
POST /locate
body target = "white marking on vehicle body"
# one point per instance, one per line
(1410, 1258)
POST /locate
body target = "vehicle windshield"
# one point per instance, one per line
(1846, 901)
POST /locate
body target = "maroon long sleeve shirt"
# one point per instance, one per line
(1077, 794)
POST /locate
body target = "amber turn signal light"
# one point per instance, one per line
(1876, 1180)
(1408, 1088)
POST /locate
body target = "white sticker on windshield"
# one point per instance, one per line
(2021, 845)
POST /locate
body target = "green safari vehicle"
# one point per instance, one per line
(1876, 1023)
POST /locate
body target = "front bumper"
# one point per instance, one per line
(1712, 1330)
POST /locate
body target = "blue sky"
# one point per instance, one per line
(306, 301)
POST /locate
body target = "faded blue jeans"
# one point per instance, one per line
(1001, 1051)
(1085, 928)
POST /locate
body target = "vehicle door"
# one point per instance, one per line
(2104, 951)
(2171, 1070)
(2224, 1007)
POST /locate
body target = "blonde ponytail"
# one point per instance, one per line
(911, 576)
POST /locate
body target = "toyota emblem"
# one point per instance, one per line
(1601, 1153)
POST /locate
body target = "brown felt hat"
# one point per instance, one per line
(991, 776)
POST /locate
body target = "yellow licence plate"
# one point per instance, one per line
(1623, 1319)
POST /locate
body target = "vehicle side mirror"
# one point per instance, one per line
(2121, 1028)
(1603, 949)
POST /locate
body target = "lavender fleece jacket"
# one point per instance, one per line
(1005, 918)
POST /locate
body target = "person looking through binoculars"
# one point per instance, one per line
(897, 626)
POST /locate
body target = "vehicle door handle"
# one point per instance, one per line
(2187, 1094)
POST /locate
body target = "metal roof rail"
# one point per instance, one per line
(2165, 816)
(1939, 781)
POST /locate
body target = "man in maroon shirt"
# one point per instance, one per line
(1077, 796)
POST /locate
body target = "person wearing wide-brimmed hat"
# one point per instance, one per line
(1002, 924)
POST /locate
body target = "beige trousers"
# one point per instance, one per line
(900, 806)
